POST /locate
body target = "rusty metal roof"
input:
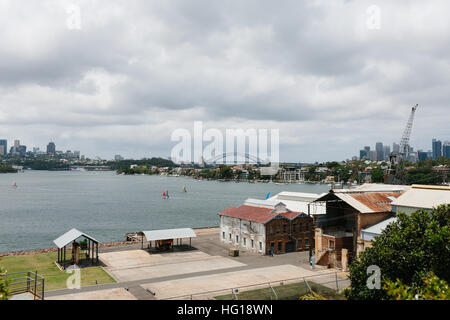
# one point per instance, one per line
(365, 202)
(258, 214)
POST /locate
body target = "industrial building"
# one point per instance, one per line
(348, 212)
(266, 226)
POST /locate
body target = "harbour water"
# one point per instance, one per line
(45, 204)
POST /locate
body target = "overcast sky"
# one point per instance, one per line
(329, 74)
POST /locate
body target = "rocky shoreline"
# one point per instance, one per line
(203, 230)
(40, 251)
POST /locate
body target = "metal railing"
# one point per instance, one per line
(26, 282)
(328, 284)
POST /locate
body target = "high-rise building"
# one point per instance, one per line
(396, 148)
(367, 148)
(51, 148)
(387, 152)
(372, 155)
(437, 149)
(380, 151)
(422, 155)
(362, 154)
(446, 150)
(22, 150)
(3, 147)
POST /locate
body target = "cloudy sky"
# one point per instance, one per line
(118, 77)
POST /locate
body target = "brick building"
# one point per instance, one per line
(348, 212)
(262, 226)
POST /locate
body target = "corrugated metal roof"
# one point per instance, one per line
(71, 236)
(423, 198)
(377, 187)
(364, 202)
(269, 203)
(298, 201)
(372, 232)
(258, 214)
(155, 235)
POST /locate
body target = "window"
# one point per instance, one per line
(260, 245)
(279, 246)
(301, 227)
(278, 229)
(284, 228)
(307, 227)
(306, 243)
(253, 243)
(245, 241)
(230, 236)
(299, 246)
(295, 227)
(331, 244)
(223, 235)
(271, 230)
(237, 239)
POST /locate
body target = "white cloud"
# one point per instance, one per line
(135, 71)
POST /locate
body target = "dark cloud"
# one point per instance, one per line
(136, 71)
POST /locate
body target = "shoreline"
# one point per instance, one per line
(201, 230)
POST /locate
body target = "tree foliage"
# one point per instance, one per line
(377, 175)
(406, 249)
(4, 292)
(431, 288)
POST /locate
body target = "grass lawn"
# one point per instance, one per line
(285, 292)
(44, 264)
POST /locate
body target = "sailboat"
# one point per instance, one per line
(165, 195)
(14, 185)
(184, 189)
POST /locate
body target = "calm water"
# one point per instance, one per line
(105, 205)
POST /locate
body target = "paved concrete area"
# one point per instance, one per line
(23, 297)
(112, 294)
(138, 264)
(225, 281)
(140, 293)
(138, 258)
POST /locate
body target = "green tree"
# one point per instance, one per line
(225, 172)
(405, 250)
(431, 288)
(377, 175)
(4, 292)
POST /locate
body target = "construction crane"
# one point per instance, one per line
(395, 174)
(404, 144)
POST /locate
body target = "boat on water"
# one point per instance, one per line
(184, 189)
(14, 185)
(165, 195)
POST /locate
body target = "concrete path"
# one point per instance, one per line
(225, 281)
(111, 294)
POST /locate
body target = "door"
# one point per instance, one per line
(290, 247)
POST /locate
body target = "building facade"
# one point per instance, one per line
(265, 228)
(51, 148)
(348, 212)
(3, 147)
(437, 149)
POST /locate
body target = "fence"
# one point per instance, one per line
(329, 284)
(26, 282)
